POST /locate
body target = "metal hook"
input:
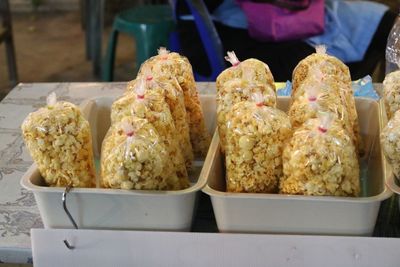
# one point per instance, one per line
(68, 245)
(64, 200)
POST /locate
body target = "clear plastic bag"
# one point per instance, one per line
(392, 53)
(133, 156)
(173, 95)
(390, 142)
(334, 70)
(314, 101)
(150, 105)
(327, 76)
(391, 93)
(262, 73)
(255, 138)
(59, 140)
(320, 159)
(175, 66)
(235, 91)
(348, 100)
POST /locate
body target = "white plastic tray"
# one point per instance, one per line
(97, 208)
(290, 214)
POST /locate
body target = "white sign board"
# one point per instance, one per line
(134, 248)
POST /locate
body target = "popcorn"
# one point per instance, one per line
(151, 105)
(133, 156)
(391, 93)
(171, 66)
(59, 140)
(255, 138)
(261, 71)
(390, 142)
(314, 100)
(235, 91)
(320, 159)
(330, 66)
(173, 95)
(333, 77)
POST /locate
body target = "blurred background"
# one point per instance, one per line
(50, 45)
(49, 42)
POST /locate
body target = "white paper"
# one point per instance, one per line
(134, 248)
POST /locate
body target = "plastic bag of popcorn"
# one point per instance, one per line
(173, 96)
(175, 66)
(390, 142)
(333, 76)
(391, 93)
(133, 156)
(235, 91)
(314, 101)
(59, 140)
(320, 159)
(262, 72)
(334, 69)
(333, 86)
(321, 75)
(150, 105)
(241, 88)
(255, 138)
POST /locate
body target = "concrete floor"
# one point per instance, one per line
(50, 47)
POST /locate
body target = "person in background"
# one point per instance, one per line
(355, 31)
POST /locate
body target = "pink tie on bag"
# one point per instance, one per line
(276, 21)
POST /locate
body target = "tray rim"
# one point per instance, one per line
(33, 171)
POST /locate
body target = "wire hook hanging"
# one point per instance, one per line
(64, 201)
(68, 245)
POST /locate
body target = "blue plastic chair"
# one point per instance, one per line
(150, 25)
(208, 35)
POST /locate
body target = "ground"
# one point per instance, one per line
(50, 47)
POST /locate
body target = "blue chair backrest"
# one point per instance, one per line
(208, 36)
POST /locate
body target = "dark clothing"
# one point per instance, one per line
(281, 57)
